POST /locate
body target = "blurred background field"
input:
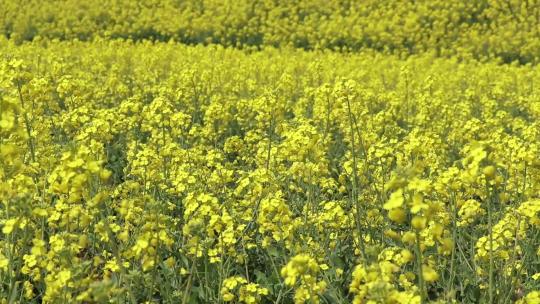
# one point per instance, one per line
(506, 30)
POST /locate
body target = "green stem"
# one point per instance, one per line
(27, 125)
(491, 266)
(420, 272)
(454, 237)
(355, 196)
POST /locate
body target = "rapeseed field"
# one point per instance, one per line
(302, 151)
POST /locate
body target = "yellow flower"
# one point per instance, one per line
(397, 215)
(489, 172)
(396, 200)
(429, 274)
(28, 290)
(4, 262)
(304, 270)
(407, 255)
(112, 265)
(227, 296)
(532, 297)
(418, 222)
(64, 276)
(9, 225)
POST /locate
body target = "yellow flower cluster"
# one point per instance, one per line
(504, 241)
(303, 272)
(532, 297)
(379, 283)
(469, 211)
(247, 292)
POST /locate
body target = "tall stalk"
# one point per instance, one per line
(355, 195)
